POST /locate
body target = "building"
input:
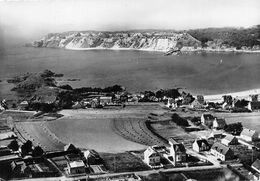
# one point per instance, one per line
(229, 140)
(221, 151)
(151, 157)
(69, 147)
(219, 123)
(196, 104)
(249, 135)
(171, 103)
(256, 169)
(201, 145)
(76, 167)
(207, 119)
(177, 152)
(106, 100)
(23, 105)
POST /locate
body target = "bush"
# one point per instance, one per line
(179, 120)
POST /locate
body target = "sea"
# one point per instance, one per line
(201, 73)
(198, 73)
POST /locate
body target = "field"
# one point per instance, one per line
(99, 129)
(39, 135)
(122, 162)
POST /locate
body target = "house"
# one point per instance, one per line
(256, 168)
(249, 135)
(105, 100)
(76, 167)
(196, 104)
(201, 145)
(151, 157)
(229, 140)
(92, 157)
(171, 103)
(219, 123)
(207, 119)
(69, 147)
(177, 151)
(221, 151)
(18, 166)
(216, 134)
(23, 105)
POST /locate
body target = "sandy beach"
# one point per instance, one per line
(239, 95)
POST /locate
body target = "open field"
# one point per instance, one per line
(95, 128)
(39, 135)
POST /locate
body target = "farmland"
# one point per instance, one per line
(39, 135)
(106, 130)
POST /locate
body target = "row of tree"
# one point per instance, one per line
(26, 148)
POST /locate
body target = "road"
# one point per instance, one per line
(147, 172)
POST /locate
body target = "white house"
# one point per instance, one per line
(219, 123)
(76, 167)
(249, 135)
(221, 151)
(229, 140)
(200, 145)
(151, 157)
(177, 151)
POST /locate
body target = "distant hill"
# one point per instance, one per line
(212, 39)
(235, 37)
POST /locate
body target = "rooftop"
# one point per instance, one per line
(220, 148)
(76, 164)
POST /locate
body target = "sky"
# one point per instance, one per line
(34, 18)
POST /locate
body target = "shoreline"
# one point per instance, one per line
(152, 50)
(241, 95)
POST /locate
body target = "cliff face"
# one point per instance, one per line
(162, 41)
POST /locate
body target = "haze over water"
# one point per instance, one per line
(138, 70)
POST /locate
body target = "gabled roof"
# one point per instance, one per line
(248, 132)
(179, 147)
(256, 164)
(69, 147)
(220, 148)
(220, 121)
(208, 117)
(201, 142)
(229, 137)
(151, 152)
(76, 164)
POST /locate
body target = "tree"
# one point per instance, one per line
(241, 103)
(14, 145)
(38, 151)
(234, 128)
(179, 120)
(26, 147)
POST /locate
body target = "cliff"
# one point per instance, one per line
(211, 39)
(154, 41)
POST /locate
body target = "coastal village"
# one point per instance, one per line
(191, 135)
